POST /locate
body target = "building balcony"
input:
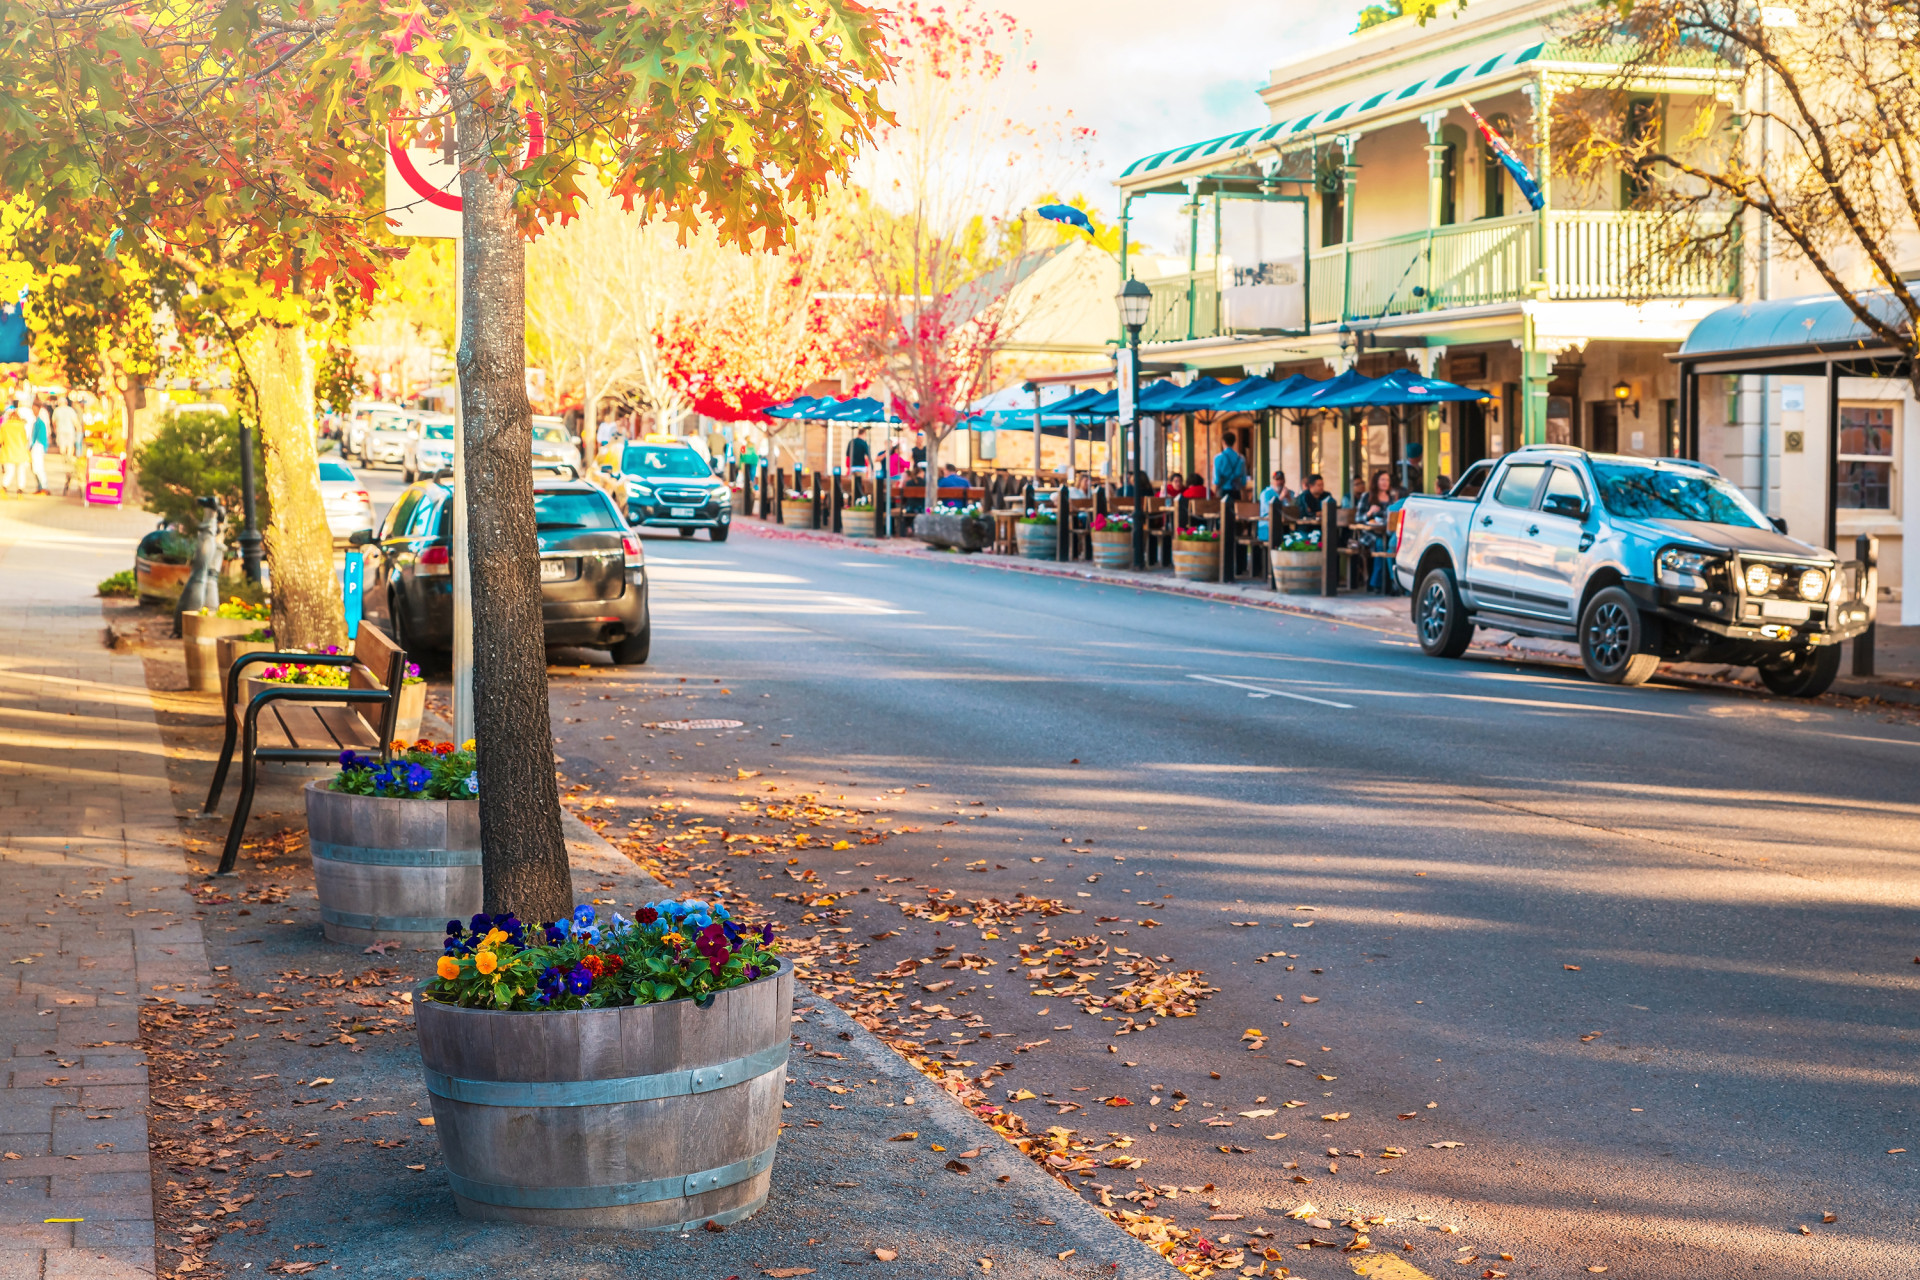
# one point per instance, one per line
(1554, 255)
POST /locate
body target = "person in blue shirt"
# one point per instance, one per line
(37, 447)
(1276, 491)
(1229, 468)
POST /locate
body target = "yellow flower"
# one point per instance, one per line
(674, 938)
(486, 962)
(467, 745)
(493, 939)
(448, 968)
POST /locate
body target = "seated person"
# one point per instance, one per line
(1314, 496)
(1196, 487)
(950, 477)
(1176, 485)
(1276, 491)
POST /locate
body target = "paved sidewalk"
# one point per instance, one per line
(96, 915)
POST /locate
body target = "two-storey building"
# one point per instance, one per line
(1371, 189)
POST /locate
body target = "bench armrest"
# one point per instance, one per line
(308, 693)
(258, 659)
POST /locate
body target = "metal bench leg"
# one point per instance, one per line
(249, 769)
(226, 760)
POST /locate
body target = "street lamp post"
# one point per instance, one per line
(249, 531)
(1135, 300)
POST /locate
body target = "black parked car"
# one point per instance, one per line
(593, 578)
(670, 486)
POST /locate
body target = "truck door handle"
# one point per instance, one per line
(1533, 530)
(1486, 519)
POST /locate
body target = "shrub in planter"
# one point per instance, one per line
(1113, 540)
(608, 1072)
(1037, 536)
(396, 844)
(1196, 554)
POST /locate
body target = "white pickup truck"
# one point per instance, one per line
(1639, 560)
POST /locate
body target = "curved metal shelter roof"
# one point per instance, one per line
(1817, 322)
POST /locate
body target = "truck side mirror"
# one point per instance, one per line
(1564, 504)
(360, 537)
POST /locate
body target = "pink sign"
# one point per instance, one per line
(106, 478)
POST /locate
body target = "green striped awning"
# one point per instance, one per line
(1459, 80)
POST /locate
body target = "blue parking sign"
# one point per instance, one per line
(350, 592)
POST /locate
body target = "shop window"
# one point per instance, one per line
(1863, 471)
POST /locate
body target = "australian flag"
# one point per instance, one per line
(1521, 178)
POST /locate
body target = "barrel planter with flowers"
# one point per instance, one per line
(1037, 536)
(201, 632)
(1299, 564)
(601, 1072)
(1112, 541)
(396, 845)
(796, 510)
(856, 521)
(1196, 555)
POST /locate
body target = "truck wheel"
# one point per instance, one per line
(1611, 638)
(1439, 618)
(1805, 675)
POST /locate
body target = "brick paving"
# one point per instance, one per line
(94, 913)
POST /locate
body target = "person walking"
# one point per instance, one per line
(1229, 468)
(37, 451)
(13, 450)
(66, 426)
(859, 453)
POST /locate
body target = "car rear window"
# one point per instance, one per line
(335, 471)
(390, 424)
(550, 435)
(663, 460)
(573, 511)
(439, 431)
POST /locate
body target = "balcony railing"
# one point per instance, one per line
(1586, 255)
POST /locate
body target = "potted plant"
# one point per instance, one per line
(1196, 554)
(201, 631)
(856, 518)
(603, 1072)
(796, 509)
(396, 844)
(1298, 563)
(1037, 535)
(962, 526)
(161, 565)
(1113, 540)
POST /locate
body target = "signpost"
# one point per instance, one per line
(350, 585)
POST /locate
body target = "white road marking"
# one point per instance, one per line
(1272, 693)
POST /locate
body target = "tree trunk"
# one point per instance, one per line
(522, 852)
(299, 545)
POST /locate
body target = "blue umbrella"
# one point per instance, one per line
(1330, 394)
(801, 407)
(1406, 386)
(1080, 402)
(1198, 396)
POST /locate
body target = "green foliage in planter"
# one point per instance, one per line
(120, 584)
(1045, 518)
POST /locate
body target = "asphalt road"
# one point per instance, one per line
(1733, 876)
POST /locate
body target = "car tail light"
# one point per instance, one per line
(434, 562)
(361, 494)
(636, 555)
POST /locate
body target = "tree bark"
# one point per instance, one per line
(299, 545)
(523, 854)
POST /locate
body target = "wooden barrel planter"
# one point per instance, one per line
(796, 515)
(230, 647)
(1196, 561)
(1297, 573)
(1037, 541)
(1113, 548)
(856, 523)
(657, 1116)
(200, 635)
(387, 868)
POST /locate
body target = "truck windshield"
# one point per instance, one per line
(1660, 493)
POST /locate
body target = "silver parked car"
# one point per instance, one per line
(430, 448)
(388, 440)
(553, 444)
(349, 508)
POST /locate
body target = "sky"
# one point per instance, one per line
(1148, 76)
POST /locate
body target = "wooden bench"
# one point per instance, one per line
(307, 723)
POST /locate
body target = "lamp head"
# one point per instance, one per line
(1135, 300)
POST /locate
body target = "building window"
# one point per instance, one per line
(1642, 128)
(1863, 471)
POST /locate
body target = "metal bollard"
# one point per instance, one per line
(1227, 543)
(1139, 529)
(1866, 549)
(839, 500)
(1063, 531)
(1329, 547)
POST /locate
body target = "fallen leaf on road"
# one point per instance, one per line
(954, 1166)
(1295, 1062)
(886, 1255)
(935, 988)
(1574, 968)
(1255, 1115)
(1805, 1230)
(1118, 1102)
(1409, 1115)
(1309, 999)
(1303, 924)
(1225, 1217)
(786, 1273)
(1333, 1116)
(1596, 1270)
(1445, 1146)
(842, 844)
(908, 1136)
(1067, 1254)
(1023, 1095)
(1275, 1137)
(1828, 1217)
(427, 1121)
(417, 1168)
(299, 1173)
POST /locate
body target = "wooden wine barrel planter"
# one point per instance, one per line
(230, 647)
(1113, 548)
(659, 1116)
(392, 869)
(856, 523)
(1196, 561)
(796, 515)
(1038, 541)
(200, 635)
(1297, 573)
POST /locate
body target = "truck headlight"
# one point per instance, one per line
(1813, 584)
(1684, 569)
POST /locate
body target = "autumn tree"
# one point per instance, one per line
(948, 181)
(1804, 135)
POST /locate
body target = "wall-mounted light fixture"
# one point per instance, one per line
(1624, 397)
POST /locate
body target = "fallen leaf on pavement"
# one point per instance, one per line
(1445, 1146)
(427, 1121)
(786, 1273)
(886, 1255)
(908, 1136)
(1574, 968)
(1309, 999)
(1255, 1115)
(954, 1166)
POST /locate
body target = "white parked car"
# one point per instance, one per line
(349, 508)
(360, 417)
(553, 443)
(431, 448)
(387, 441)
